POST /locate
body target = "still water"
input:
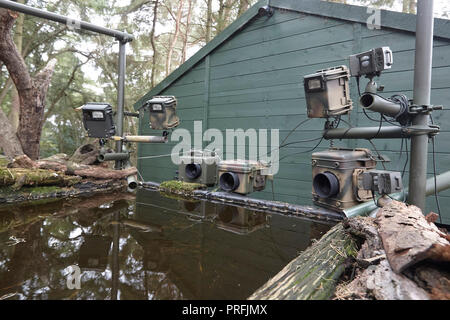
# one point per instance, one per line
(144, 247)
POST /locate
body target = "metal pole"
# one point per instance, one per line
(422, 92)
(120, 99)
(73, 23)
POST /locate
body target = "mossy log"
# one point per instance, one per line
(87, 187)
(59, 164)
(313, 275)
(180, 187)
(18, 177)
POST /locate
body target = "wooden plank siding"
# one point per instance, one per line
(254, 79)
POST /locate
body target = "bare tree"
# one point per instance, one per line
(209, 19)
(186, 33)
(175, 37)
(152, 42)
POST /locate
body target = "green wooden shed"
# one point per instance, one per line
(251, 76)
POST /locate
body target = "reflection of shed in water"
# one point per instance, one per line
(206, 261)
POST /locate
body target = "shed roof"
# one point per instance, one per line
(389, 19)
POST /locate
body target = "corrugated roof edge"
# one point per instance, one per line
(389, 19)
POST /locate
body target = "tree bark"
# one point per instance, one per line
(409, 6)
(186, 33)
(152, 42)
(175, 37)
(243, 6)
(14, 114)
(31, 91)
(208, 21)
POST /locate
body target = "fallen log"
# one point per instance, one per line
(313, 275)
(72, 168)
(404, 257)
(86, 187)
(408, 237)
(34, 177)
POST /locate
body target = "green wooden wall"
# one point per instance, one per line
(255, 80)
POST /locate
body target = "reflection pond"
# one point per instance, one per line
(144, 247)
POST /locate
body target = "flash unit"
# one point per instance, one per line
(97, 115)
(371, 63)
(327, 92)
(156, 107)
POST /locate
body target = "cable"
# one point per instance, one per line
(407, 158)
(435, 177)
(315, 147)
(379, 155)
(298, 125)
(435, 183)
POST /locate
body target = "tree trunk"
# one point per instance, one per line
(409, 6)
(186, 33)
(14, 114)
(243, 6)
(175, 37)
(223, 14)
(152, 41)
(8, 138)
(208, 21)
(31, 91)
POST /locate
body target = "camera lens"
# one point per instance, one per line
(193, 170)
(229, 181)
(326, 185)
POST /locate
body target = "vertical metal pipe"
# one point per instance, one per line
(120, 99)
(422, 92)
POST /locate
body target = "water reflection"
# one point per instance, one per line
(150, 247)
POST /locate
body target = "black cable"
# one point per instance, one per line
(435, 177)
(378, 153)
(435, 183)
(357, 83)
(299, 141)
(315, 147)
(290, 132)
(407, 158)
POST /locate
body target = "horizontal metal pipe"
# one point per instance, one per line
(442, 182)
(113, 156)
(72, 23)
(379, 104)
(146, 139)
(365, 133)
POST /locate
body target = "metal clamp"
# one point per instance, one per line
(419, 109)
